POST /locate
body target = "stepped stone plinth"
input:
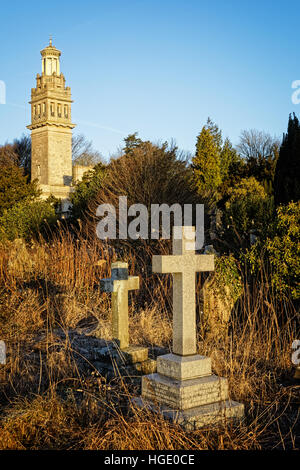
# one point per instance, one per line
(183, 367)
(211, 415)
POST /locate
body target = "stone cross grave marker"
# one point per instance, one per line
(184, 389)
(119, 284)
(183, 264)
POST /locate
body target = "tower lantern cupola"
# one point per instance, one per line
(50, 60)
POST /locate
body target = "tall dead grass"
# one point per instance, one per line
(48, 401)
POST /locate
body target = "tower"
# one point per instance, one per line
(51, 128)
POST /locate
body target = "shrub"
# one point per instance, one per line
(284, 250)
(147, 174)
(281, 250)
(14, 187)
(86, 190)
(26, 219)
(248, 207)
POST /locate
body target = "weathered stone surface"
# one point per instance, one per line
(79, 171)
(149, 366)
(51, 129)
(119, 271)
(184, 389)
(184, 394)
(183, 367)
(119, 284)
(134, 354)
(191, 419)
(130, 355)
(183, 265)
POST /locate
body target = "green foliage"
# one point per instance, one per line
(216, 165)
(248, 207)
(284, 250)
(14, 187)
(132, 141)
(232, 167)
(227, 274)
(287, 173)
(26, 219)
(227, 156)
(281, 250)
(86, 190)
(206, 162)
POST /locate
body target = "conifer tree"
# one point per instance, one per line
(228, 157)
(287, 173)
(206, 162)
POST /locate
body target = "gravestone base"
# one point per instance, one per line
(183, 367)
(185, 390)
(133, 360)
(191, 419)
(134, 354)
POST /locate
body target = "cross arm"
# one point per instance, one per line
(113, 285)
(181, 263)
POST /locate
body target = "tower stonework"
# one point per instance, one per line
(51, 129)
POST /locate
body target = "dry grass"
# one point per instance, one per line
(49, 401)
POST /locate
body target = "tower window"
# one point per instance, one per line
(66, 111)
(52, 109)
(59, 110)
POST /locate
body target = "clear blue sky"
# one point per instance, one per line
(156, 67)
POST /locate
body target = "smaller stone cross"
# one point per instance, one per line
(183, 264)
(119, 284)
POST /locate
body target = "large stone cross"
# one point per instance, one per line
(119, 284)
(183, 264)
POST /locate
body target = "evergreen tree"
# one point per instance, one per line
(228, 158)
(206, 163)
(287, 173)
(132, 141)
(14, 187)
